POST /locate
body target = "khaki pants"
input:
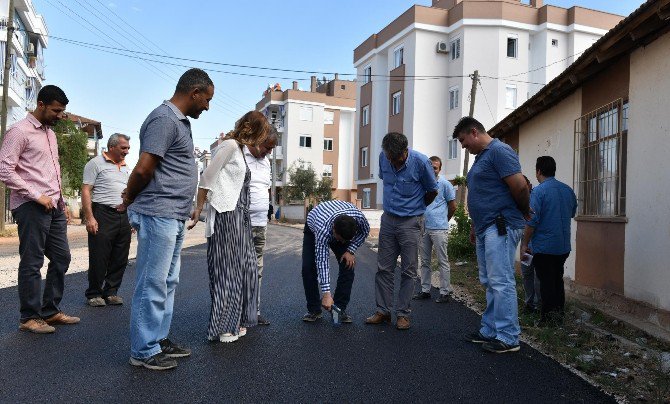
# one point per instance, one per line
(258, 232)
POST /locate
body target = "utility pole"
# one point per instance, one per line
(5, 94)
(466, 160)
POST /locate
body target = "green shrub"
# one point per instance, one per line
(459, 246)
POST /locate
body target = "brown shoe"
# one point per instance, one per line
(402, 323)
(114, 300)
(378, 318)
(36, 325)
(61, 319)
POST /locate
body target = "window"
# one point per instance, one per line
(512, 48)
(328, 144)
(364, 156)
(365, 116)
(306, 114)
(453, 97)
(453, 149)
(398, 59)
(366, 198)
(455, 48)
(395, 108)
(367, 74)
(343, 87)
(510, 96)
(305, 141)
(554, 42)
(327, 170)
(600, 161)
(328, 117)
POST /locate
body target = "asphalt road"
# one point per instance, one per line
(288, 361)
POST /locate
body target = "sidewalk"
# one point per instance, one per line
(77, 237)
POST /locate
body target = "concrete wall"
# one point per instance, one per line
(295, 128)
(552, 134)
(647, 255)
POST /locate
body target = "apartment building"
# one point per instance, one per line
(93, 130)
(415, 72)
(26, 75)
(316, 127)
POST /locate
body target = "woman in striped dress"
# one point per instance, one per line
(231, 258)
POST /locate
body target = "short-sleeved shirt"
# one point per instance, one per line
(166, 133)
(107, 178)
(404, 189)
(258, 188)
(488, 193)
(554, 205)
(436, 216)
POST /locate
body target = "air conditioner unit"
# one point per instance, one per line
(442, 47)
(31, 49)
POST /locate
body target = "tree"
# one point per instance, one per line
(72, 144)
(324, 191)
(304, 184)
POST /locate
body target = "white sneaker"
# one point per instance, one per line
(228, 337)
(243, 331)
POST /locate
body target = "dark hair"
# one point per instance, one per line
(435, 158)
(466, 124)
(345, 226)
(546, 165)
(193, 79)
(394, 144)
(51, 93)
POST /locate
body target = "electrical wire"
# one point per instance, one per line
(479, 82)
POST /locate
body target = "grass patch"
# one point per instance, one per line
(588, 341)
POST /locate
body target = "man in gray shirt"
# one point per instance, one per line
(105, 178)
(159, 199)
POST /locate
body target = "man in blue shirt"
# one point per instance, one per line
(436, 229)
(554, 204)
(409, 186)
(498, 204)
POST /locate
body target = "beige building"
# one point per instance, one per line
(414, 73)
(316, 127)
(605, 121)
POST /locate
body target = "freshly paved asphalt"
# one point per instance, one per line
(288, 361)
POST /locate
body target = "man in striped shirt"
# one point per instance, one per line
(341, 227)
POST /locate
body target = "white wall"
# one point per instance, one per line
(346, 159)
(647, 255)
(552, 134)
(295, 128)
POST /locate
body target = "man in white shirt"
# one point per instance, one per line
(259, 190)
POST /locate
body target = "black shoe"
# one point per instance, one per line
(443, 299)
(422, 296)
(497, 346)
(345, 318)
(172, 350)
(311, 317)
(478, 338)
(160, 361)
(262, 320)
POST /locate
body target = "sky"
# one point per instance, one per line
(120, 91)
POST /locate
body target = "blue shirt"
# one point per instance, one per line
(488, 193)
(166, 133)
(437, 212)
(404, 189)
(554, 205)
(320, 222)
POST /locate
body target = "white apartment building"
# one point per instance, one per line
(27, 59)
(414, 73)
(316, 127)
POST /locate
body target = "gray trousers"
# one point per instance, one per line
(398, 237)
(258, 233)
(435, 239)
(531, 286)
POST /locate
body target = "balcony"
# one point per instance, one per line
(280, 153)
(17, 88)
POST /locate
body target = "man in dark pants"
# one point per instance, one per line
(105, 178)
(341, 227)
(29, 167)
(554, 204)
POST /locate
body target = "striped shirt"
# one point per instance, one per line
(29, 162)
(320, 222)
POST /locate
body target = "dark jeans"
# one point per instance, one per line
(41, 234)
(549, 269)
(107, 251)
(310, 277)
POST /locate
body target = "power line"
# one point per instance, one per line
(543, 67)
(486, 100)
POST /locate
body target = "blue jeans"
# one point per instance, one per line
(495, 257)
(158, 261)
